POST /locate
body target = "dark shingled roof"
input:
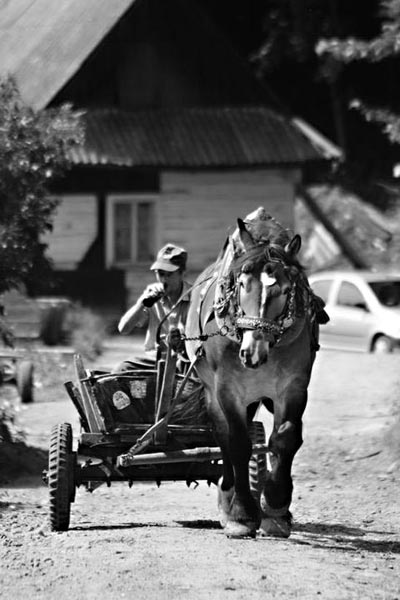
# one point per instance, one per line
(193, 137)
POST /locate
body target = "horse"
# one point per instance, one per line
(252, 327)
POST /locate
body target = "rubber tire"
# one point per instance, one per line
(382, 345)
(257, 464)
(61, 479)
(24, 377)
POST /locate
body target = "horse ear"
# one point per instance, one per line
(293, 247)
(245, 236)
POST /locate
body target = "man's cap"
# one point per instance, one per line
(170, 258)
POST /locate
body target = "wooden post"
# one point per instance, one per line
(166, 394)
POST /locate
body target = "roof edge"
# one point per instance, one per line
(327, 148)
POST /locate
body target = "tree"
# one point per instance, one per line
(34, 149)
(383, 47)
(312, 87)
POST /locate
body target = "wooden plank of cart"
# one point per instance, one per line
(147, 424)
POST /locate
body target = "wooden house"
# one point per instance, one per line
(180, 137)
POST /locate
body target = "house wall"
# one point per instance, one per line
(74, 230)
(198, 209)
(195, 209)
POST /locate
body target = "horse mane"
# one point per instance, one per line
(270, 239)
(265, 251)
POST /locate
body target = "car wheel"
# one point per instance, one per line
(382, 345)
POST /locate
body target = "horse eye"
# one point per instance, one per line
(269, 269)
(248, 267)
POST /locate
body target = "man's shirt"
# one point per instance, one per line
(152, 317)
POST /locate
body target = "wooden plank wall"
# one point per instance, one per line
(197, 210)
(74, 230)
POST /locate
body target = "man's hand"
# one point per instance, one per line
(152, 293)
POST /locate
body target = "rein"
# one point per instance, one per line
(223, 331)
(226, 305)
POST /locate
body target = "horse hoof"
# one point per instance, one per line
(236, 530)
(279, 527)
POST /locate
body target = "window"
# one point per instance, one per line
(387, 292)
(322, 288)
(350, 295)
(131, 230)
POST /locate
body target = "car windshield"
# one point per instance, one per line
(387, 292)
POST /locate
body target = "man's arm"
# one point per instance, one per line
(137, 315)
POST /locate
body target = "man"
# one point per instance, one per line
(158, 302)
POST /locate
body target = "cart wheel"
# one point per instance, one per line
(25, 381)
(61, 476)
(257, 463)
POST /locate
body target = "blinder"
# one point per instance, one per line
(276, 276)
(273, 329)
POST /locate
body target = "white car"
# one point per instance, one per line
(364, 310)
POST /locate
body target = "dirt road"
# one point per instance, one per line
(166, 543)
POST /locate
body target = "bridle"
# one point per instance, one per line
(274, 328)
(227, 306)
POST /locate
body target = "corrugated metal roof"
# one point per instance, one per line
(44, 42)
(193, 137)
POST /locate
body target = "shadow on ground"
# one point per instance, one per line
(341, 537)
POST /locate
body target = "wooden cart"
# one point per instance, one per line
(148, 424)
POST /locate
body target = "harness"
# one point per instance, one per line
(273, 328)
(229, 315)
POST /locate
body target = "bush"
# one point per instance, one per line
(85, 331)
(34, 149)
(8, 430)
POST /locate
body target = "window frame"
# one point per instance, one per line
(331, 283)
(133, 199)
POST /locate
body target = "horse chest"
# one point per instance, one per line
(249, 386)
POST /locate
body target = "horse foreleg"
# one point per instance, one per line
(244, 516)
(238, 512)
(226, 488)
(276, 497)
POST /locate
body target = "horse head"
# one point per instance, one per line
(266, 272)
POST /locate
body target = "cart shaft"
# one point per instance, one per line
(190, 455)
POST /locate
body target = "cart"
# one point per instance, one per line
(147, 424)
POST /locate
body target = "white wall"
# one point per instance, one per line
(74, 230)
(198, 209)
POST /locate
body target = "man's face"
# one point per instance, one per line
(172, 282)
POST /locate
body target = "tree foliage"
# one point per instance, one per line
(382, 47)
(34, 149)
(385, 45)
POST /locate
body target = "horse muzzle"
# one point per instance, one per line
(253, 349)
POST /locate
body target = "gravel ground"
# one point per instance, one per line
(166, 543)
